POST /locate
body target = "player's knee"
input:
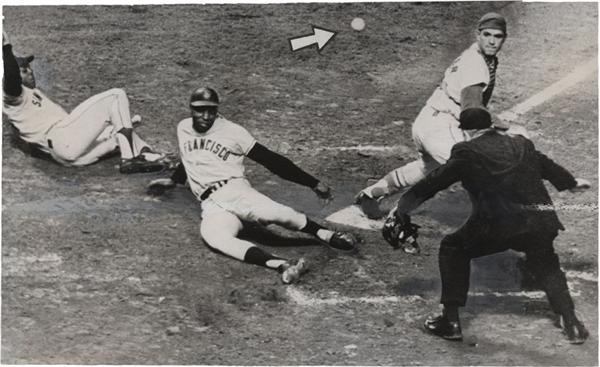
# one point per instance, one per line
(66, 152)
(213, 237)
(118, 92)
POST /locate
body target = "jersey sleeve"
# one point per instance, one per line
(472, 70)
(244, 140)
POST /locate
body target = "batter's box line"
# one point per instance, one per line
(303, 298)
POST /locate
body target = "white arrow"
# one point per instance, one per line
(320, 36)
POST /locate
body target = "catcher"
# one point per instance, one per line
(212, 151)
(511, 210)
(98, 126)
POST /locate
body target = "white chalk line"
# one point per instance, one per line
(303, 298)
(355, 218)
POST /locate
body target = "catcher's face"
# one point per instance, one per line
(490, 41)
(28, 79)
(203, 117)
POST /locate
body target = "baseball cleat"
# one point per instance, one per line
(140, 165)
(341, 241)
(440, 326)
(293, 272)
(369, 206)
(575, 331)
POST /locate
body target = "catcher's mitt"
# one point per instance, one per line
(399, 232)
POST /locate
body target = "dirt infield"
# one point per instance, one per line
(96, 272)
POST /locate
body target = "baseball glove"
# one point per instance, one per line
(400, 232)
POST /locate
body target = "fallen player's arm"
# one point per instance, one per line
(281, 166)
(12, 75)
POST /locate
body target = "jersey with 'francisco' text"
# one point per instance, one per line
(215, 155)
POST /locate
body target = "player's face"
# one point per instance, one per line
(490, 41)
(204, 117)
(28, 79)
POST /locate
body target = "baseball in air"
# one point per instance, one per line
(358, 24)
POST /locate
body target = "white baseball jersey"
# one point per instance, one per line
(215, 155)
(470, 68)
(33, 116)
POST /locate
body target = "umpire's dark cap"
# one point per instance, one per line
(204, 97)
(24, 61)
(475, 118)
(492, 21)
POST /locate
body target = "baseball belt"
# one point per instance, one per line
(214, 187)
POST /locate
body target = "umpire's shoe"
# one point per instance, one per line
(369, 206)
(574, 330)
(440, 326)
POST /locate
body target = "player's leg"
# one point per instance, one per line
(77, 133)
(219, 229)
(434, 140)
(454, 261)
(250, 205)
(543, 262)
(272, 212)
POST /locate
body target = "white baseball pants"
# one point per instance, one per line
(224, 210)
(434, 134)
(90, 130)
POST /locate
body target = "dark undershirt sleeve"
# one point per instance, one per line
(437, 180)
(281, 166)
(12, 74)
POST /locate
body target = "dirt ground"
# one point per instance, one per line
(96, 272)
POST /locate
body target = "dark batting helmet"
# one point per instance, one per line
(203, 97)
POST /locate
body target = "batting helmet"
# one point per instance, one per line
(204, 96)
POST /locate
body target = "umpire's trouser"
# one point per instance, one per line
(457, 250)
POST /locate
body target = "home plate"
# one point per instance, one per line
(353, 216)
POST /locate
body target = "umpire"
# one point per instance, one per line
(511, 210)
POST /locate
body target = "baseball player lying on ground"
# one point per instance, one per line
(212, 152)
(511, 210)
(95, 128)
(469, 80)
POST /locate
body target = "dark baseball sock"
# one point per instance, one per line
(126, 146)
(257, 256)
(451, 312)
(317, 230)
(312, 227)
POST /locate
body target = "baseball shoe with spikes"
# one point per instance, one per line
(369, 206)
(343, 241)
(140, 164)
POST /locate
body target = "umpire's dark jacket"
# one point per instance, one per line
(503, 175)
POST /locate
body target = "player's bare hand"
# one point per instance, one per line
(159, 186)
(323, 192)
(582, 185)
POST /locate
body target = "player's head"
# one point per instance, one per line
(28, 79)
(491, 33)
(204, 106)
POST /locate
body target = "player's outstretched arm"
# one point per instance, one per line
(12, 74)
(286, 169)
